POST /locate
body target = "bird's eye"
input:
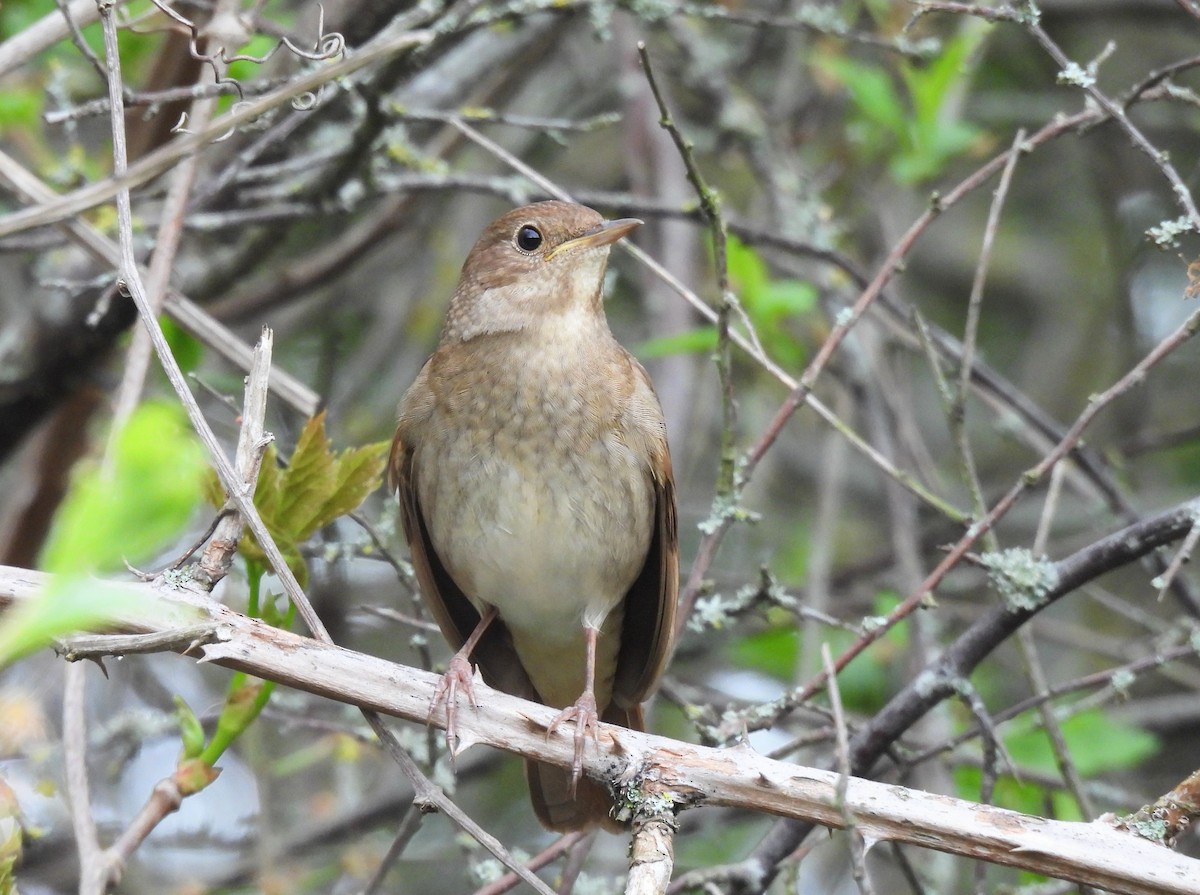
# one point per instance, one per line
(529, 238)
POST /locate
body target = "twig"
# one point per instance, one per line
(132, 281)
(45, 32)
(552, 852)
(958, 402)
(179, 640)
(1029, 479)
(93, 874)
(858, 856)
(251, 447)
(166, 244)
(1164, 581)
(78, 39)
(404, 834)
(1071, 72)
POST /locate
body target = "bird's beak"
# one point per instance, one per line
(606, 234)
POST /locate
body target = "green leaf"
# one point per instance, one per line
(191, 732)
(785, 297)
(127, 513)
(124, 513)
(316, 487)
(772, 652)
(74, 603)
(747, 269)
(872, 92)
(701, 340)
(308, 481)
(244, 70)
(187, 349)
(1097, 745)
(71, 605)
(268, 492)
(20, 108)
(359, 471)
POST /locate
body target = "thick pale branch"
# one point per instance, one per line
(1090, 853)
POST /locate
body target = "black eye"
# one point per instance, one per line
(529, 238)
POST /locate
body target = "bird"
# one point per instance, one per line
(536, 492)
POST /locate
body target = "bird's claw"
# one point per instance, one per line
(457, 677)
(586, 719)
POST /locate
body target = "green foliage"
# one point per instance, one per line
(316, 487)
(770, 304)
(915, 133)
(186, 348)
(701, 340)
(865, 684)
(191, 731)
(1097, 745)
(20, 108)
(121, 514)
(128, 512)
(16, 17)
(773, 652)
(71, 604)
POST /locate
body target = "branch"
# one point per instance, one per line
(1090, 853)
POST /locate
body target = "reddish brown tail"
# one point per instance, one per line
(550, 788)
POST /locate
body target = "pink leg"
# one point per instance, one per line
(458, 676)
(583, 712)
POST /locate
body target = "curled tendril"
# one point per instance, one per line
(327, 46)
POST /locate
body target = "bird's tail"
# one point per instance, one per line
(550, 787)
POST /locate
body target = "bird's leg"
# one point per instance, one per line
(458, 675)
(583, 712)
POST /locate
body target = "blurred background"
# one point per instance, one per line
(828, 130)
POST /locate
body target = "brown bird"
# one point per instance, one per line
(535, 484)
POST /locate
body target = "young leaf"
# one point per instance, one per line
(128, 512)
(700, 340)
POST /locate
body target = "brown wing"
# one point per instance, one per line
(453, 612)
(648, 629)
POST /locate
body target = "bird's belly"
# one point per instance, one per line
(553, 539)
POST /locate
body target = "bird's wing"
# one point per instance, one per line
(648, 628)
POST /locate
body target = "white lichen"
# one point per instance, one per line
(1023, 580)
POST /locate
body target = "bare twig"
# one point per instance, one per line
(166, 244)
(93, 874)
(177, 640)
(858, 855)
(251, 447)
(404, 834)
(559, 847)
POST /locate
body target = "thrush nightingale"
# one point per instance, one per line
(535, 484)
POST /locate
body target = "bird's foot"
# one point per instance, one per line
(585, 716)
(457, 678)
